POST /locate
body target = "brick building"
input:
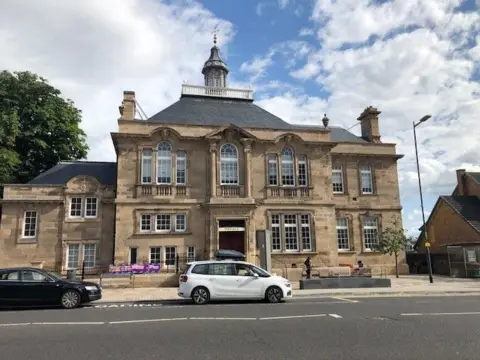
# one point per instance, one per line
(455, 219)
(206, 173)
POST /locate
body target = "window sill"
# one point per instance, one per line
(376, 252)
(294, 252)
(374, 194)
(27, 240)
(156, 233)
(340, 194)
(82, 220)
(348, 252)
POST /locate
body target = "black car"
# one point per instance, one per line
(36, 287)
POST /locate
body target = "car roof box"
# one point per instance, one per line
(229, 255)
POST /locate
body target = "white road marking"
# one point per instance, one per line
(69, 323)
(14, 324)
(145, 321)
(442, 314)
(336, 316)
(291, 317)
(344, 299)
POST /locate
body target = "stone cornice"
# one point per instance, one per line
(374, 155)
(32, 200)
(295, 202)
(370, 207)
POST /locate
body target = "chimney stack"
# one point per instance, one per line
(128, 108)
(461, 188)
(369, 124)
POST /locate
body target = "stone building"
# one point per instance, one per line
(206, 173)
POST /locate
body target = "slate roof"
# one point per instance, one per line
(195, 110)
(467, 207)
(475, 175)
(104, 172)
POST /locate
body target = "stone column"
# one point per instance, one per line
(248, 170)
(213, 170)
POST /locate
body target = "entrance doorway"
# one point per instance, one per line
(231, 235)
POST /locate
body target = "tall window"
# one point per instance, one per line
(216, 81)
(306, 233)
(73, 253)
(30, 224)
(228, 165)
(163, 223)
(272, 169)
(342, 234)
(291, 232)
(91, 207)
(366, 181)
(288, 167)
(276, 233)
(370, 232)
(302, 171)
(337, 179)
(181, 168)
(164, 163)
(191, 254)
(76, 207)
(170, 256)
(155, 255)
(180, 222)
(147, 166)
(89, 254)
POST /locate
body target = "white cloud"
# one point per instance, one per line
(283, 3)
(259, 8)
(258, 66)
(93, 50)
(307, 31)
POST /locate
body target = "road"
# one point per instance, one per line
(424, 328)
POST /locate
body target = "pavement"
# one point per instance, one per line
(427, 328)
(410, 285)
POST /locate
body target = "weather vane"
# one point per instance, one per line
(215, 32)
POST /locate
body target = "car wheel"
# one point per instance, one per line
(200, 295)
(70, 299)
(273, 294)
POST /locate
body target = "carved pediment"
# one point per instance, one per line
(289, 139)
(229, 133)
(165, 133)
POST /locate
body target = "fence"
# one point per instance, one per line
(173, 265)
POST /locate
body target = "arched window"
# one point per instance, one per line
(228, 165)
(288, 167)
(164, 163)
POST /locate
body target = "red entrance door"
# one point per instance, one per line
(234, 240)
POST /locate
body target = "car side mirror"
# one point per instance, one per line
(255, 275)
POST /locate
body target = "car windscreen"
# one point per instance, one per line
(260, 271)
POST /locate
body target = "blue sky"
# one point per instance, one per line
(303, 58)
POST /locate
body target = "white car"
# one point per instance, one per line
(231, 280)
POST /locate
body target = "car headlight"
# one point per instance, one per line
(91, 288)
(287, 283)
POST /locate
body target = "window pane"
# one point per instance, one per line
(366, 180)
(164, 163)
(201, 269)
(170, 256)
(91, 207)
(180, 222)
(337, 179)
(76, 207)
(191, 254)
(147, 168)
(146, 223)
(272, 170)
(291, 238)
(276, 233)
(89, 253)
(342, 234)
(306, 233)
(221, 269)
(228, 165)
(72, 256)
(302, 171)
(29, 275)
(155, 255)
(181, 167)
(163, 222)
(30, 224)
(370, 232)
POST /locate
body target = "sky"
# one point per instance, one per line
(303, 58)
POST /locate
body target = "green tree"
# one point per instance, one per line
(393, 242)
(38, 127)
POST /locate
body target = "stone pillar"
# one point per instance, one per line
(248, 170)
(213, 170)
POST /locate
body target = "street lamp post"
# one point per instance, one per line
(429, 261)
